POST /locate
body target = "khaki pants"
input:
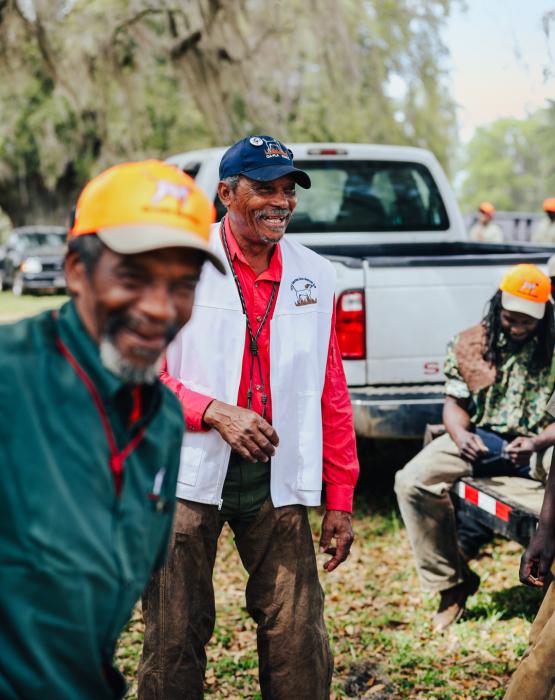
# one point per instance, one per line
(283, 596)
(422, 489)
(534, 679)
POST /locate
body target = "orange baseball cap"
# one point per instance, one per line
(487, 208)
(147, 205)
(549, 204)
(525, 289)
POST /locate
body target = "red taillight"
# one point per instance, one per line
(327, 151)
(350, 325)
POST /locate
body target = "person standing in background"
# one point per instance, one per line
(544, 232)
(485, 229)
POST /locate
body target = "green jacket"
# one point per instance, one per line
(74, 557)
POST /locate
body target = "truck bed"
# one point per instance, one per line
(417, 296)
(429, 253)
(508, 505)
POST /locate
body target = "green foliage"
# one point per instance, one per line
(98, 82)
(511, 163)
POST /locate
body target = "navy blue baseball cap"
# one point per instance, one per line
(261, 158)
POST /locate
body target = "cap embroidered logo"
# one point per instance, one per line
(164, 189)
(529, 288)
(274, 149)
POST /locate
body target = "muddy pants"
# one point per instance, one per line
(283, 596)
(534, 679)
(422, 489)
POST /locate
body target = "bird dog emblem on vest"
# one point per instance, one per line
(304, 290)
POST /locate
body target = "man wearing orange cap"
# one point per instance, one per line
(499, 378)
(90, 438)
(544, 232)
(485, 229)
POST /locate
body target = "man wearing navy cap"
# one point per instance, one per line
(269, 419)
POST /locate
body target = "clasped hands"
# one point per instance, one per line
(472, 447)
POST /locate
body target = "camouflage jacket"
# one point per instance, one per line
(515, 404)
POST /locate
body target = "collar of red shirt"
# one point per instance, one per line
(272, 273)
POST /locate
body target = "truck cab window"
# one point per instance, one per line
(355, 195)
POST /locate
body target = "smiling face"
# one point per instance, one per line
(259, 212)
(518, 327)
(135, 303)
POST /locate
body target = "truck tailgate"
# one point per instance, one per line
(413, 310)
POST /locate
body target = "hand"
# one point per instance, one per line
(249, 434)
(537, 559)
(521, 449)
(471, 446)
(338, 525)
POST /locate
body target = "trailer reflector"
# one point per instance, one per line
(482, 500)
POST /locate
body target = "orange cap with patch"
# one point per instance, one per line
(549, 204)
(526, 289)
(147, 205)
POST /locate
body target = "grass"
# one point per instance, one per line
(377, 618)
(378, 623)
(12, 307)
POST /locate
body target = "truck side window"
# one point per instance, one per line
(220, 209)
(191, 169)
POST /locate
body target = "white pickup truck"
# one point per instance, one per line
(407, 278)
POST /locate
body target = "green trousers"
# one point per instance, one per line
(246, 487)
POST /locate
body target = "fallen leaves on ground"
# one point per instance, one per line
(378, 622)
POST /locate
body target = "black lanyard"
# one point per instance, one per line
(253, 336)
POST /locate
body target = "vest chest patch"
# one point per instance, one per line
(304, 291)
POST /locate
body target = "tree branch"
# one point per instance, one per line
(182, 47)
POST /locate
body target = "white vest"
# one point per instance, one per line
(207, 357)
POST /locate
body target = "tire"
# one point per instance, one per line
(17, 287)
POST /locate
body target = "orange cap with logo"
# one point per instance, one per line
(526, 289)
(147, 205)
(549, 204)
(487, 208)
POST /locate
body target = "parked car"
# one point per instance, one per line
(33, 260)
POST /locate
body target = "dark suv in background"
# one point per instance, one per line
(33, 260)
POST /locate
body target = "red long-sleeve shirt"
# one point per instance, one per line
(340, 462)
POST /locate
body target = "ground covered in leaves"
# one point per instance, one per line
(377, 618)
(378, 622)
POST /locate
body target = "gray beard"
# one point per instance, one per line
(114, 362)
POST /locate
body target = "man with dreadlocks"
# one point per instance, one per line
(499, 378)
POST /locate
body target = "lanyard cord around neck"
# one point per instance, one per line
(253, 336)
(117, 457)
